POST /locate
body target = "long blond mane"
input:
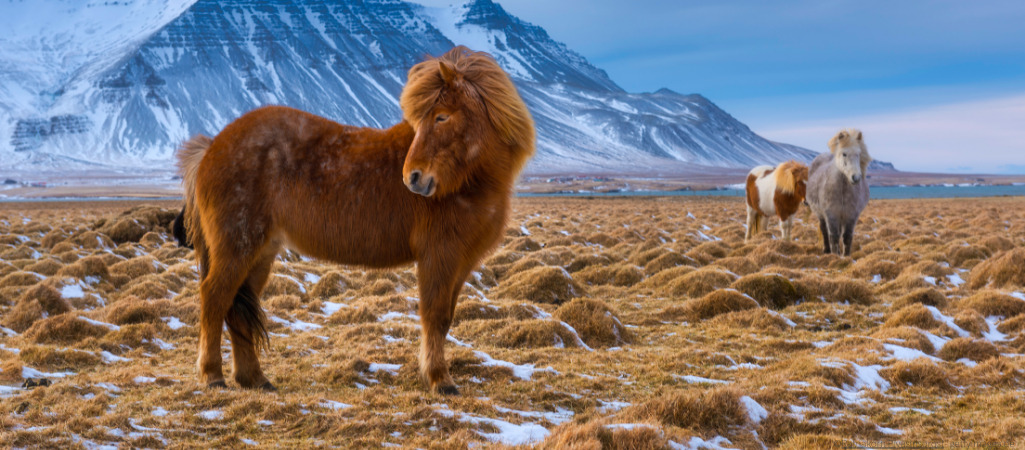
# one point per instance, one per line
(505, 109)
(847, 137)
(788, 175)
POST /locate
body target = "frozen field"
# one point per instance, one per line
(613, 322)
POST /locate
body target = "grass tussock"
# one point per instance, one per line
(536, 333)
(715, 303)
(20, 278)
(924, 296)
(620, 275)
(48, 267)
(598, 435)
(132, 309)
(714, 410)
(737, 264)
(839, 289)
(921, 373)
(67, 328)
(135, 267)
(698, 283)
(758, 319)
(667, 261)
(816, 441)
(351, 316)
(913, 315)
(971, 321)
(540, 285)
(597, 324)
(1002, 270)
(36, 303)
(90, 266)
(973, 349)
(331, 284)
(994, 303)
(770, 290)
(53, 359)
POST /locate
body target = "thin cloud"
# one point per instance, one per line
(980, 137)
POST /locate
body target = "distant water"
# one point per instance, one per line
(878, 192)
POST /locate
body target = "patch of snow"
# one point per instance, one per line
(108, 326)
(955, 280)
(560, 416)
(877, 278)
(949, 321)
(696, 443)
(296, 325)
(72, 291)
(143, 380)
(173, 322)
(967, 362)
(521, 371)
(159, 412)
(909, 354)
(330, 308)
(993, 335)
(611, 406)
(110, 358)
(917, 410)
(8, 331)
(889, 431)
(393, 315)
(28, 372)
(108, 386)
(211, 414)
(390, 368)
(249, 442)
(755, 412)
(331, 404)
(696, 379)
(311, 278)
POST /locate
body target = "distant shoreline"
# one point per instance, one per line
(878, 192)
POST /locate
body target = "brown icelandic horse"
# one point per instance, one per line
(433, 189)
(775, 191)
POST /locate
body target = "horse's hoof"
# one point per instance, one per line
(448, 390)
(267, 387)
(217, 384)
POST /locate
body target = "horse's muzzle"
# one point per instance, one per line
(421, 184)
(855, 179)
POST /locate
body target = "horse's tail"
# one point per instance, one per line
(245, 317)
(186, 226)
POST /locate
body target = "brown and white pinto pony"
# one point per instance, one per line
(777, 192)
(433, 189)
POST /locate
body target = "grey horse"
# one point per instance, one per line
(837, 190)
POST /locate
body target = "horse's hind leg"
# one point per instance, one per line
(824, 229)
(752, 223)
(245, 324)
(217, 291)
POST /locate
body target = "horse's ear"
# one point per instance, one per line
(448, 73)
(859, 136)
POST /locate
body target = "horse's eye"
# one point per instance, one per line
(441, 118)
(844, 155)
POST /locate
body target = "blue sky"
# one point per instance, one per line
(929, 82)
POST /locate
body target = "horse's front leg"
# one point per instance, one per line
(834, 235)
(439, 289)
(824, 229)
(785, 225)
(848, 238)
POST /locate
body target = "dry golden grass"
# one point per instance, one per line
(637, 336)
(1003, 270)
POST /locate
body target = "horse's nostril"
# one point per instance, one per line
(414, 177)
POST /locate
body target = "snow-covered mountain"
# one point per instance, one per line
(119, 84)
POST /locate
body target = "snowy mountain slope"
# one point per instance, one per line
(174, 75)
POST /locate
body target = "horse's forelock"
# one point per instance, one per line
(479, 77)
